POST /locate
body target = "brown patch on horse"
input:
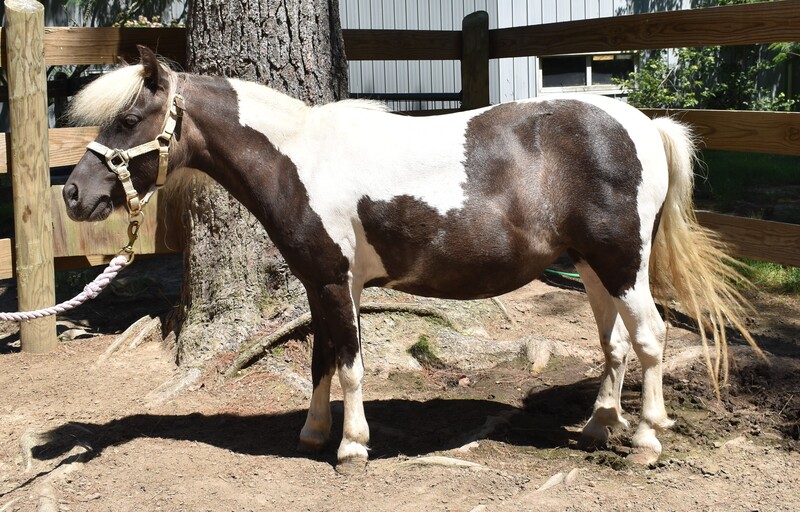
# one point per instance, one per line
(542, 177)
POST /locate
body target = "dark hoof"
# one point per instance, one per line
(590, 444)
(310, 448)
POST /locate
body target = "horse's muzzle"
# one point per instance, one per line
(81, 210)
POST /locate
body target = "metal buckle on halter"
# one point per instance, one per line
(123, 174)
(179, 103)
(117, 158)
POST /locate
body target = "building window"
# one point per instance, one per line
(589, 73)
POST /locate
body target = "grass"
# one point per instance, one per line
(772, 277)
(754, 184)
(423, 352)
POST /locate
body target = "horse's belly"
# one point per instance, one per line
(466, 276)
(479, 251)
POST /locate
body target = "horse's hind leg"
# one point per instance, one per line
(638, 311)
(614, 340)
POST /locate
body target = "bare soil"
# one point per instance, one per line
(84, 431)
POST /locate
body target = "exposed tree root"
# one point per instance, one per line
(256, 348)
(502, 307)
(132, 337)
(438, 460)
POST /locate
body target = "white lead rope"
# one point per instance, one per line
(90, 291)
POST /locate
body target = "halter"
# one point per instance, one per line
(117, 159)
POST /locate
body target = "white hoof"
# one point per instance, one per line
(646, 446)
(596, 431)
(642, 456)
(351, 451)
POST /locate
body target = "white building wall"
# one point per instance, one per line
(510, 79)
(410, 76)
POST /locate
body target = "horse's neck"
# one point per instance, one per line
(274, 114)
(237, 132)
(221, 106)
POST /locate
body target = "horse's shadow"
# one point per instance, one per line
(397, 427)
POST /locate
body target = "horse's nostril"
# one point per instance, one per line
(70, 194)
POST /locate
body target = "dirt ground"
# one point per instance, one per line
(84, 430)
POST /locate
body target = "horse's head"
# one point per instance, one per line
(137, 110)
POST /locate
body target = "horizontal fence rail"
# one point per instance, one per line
(730, 25)
(766, 132)
(402, 44)
(741, 130)
(67, 146)
(756, 239)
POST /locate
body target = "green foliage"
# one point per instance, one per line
(784, 51)
(135, 13)
(713, 77)
(141, 21)
(745, 176)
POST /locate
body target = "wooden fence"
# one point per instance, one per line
(768, 132)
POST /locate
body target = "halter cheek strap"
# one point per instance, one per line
(117, 159)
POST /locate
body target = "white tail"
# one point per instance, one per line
(688, 262)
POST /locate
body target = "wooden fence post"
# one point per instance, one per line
(30, 170)
(475, 60)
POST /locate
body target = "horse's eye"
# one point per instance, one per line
(131, 120)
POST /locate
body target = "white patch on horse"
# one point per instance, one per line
(355, 431)
(349, 150)
(317, 427)
(648, 332)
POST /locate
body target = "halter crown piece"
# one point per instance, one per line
(117, 159)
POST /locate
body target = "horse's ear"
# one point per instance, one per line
(153, 72)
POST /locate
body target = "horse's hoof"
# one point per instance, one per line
(589, 443)
(352, 466)
(311, 442)
(593, 435)
(642, 456)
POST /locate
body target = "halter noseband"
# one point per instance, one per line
(117, 159)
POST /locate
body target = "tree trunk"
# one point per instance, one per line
(234, 277)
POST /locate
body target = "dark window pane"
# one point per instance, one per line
(607, 67)
(563, 71)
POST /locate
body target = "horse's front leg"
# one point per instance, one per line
(316, 431)
(339, 308)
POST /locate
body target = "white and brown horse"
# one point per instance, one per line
(465, 205)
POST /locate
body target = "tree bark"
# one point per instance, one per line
(234, 278)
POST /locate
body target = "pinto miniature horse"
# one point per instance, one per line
(466, 205)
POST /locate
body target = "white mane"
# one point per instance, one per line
(359, 104)
(102, 100)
